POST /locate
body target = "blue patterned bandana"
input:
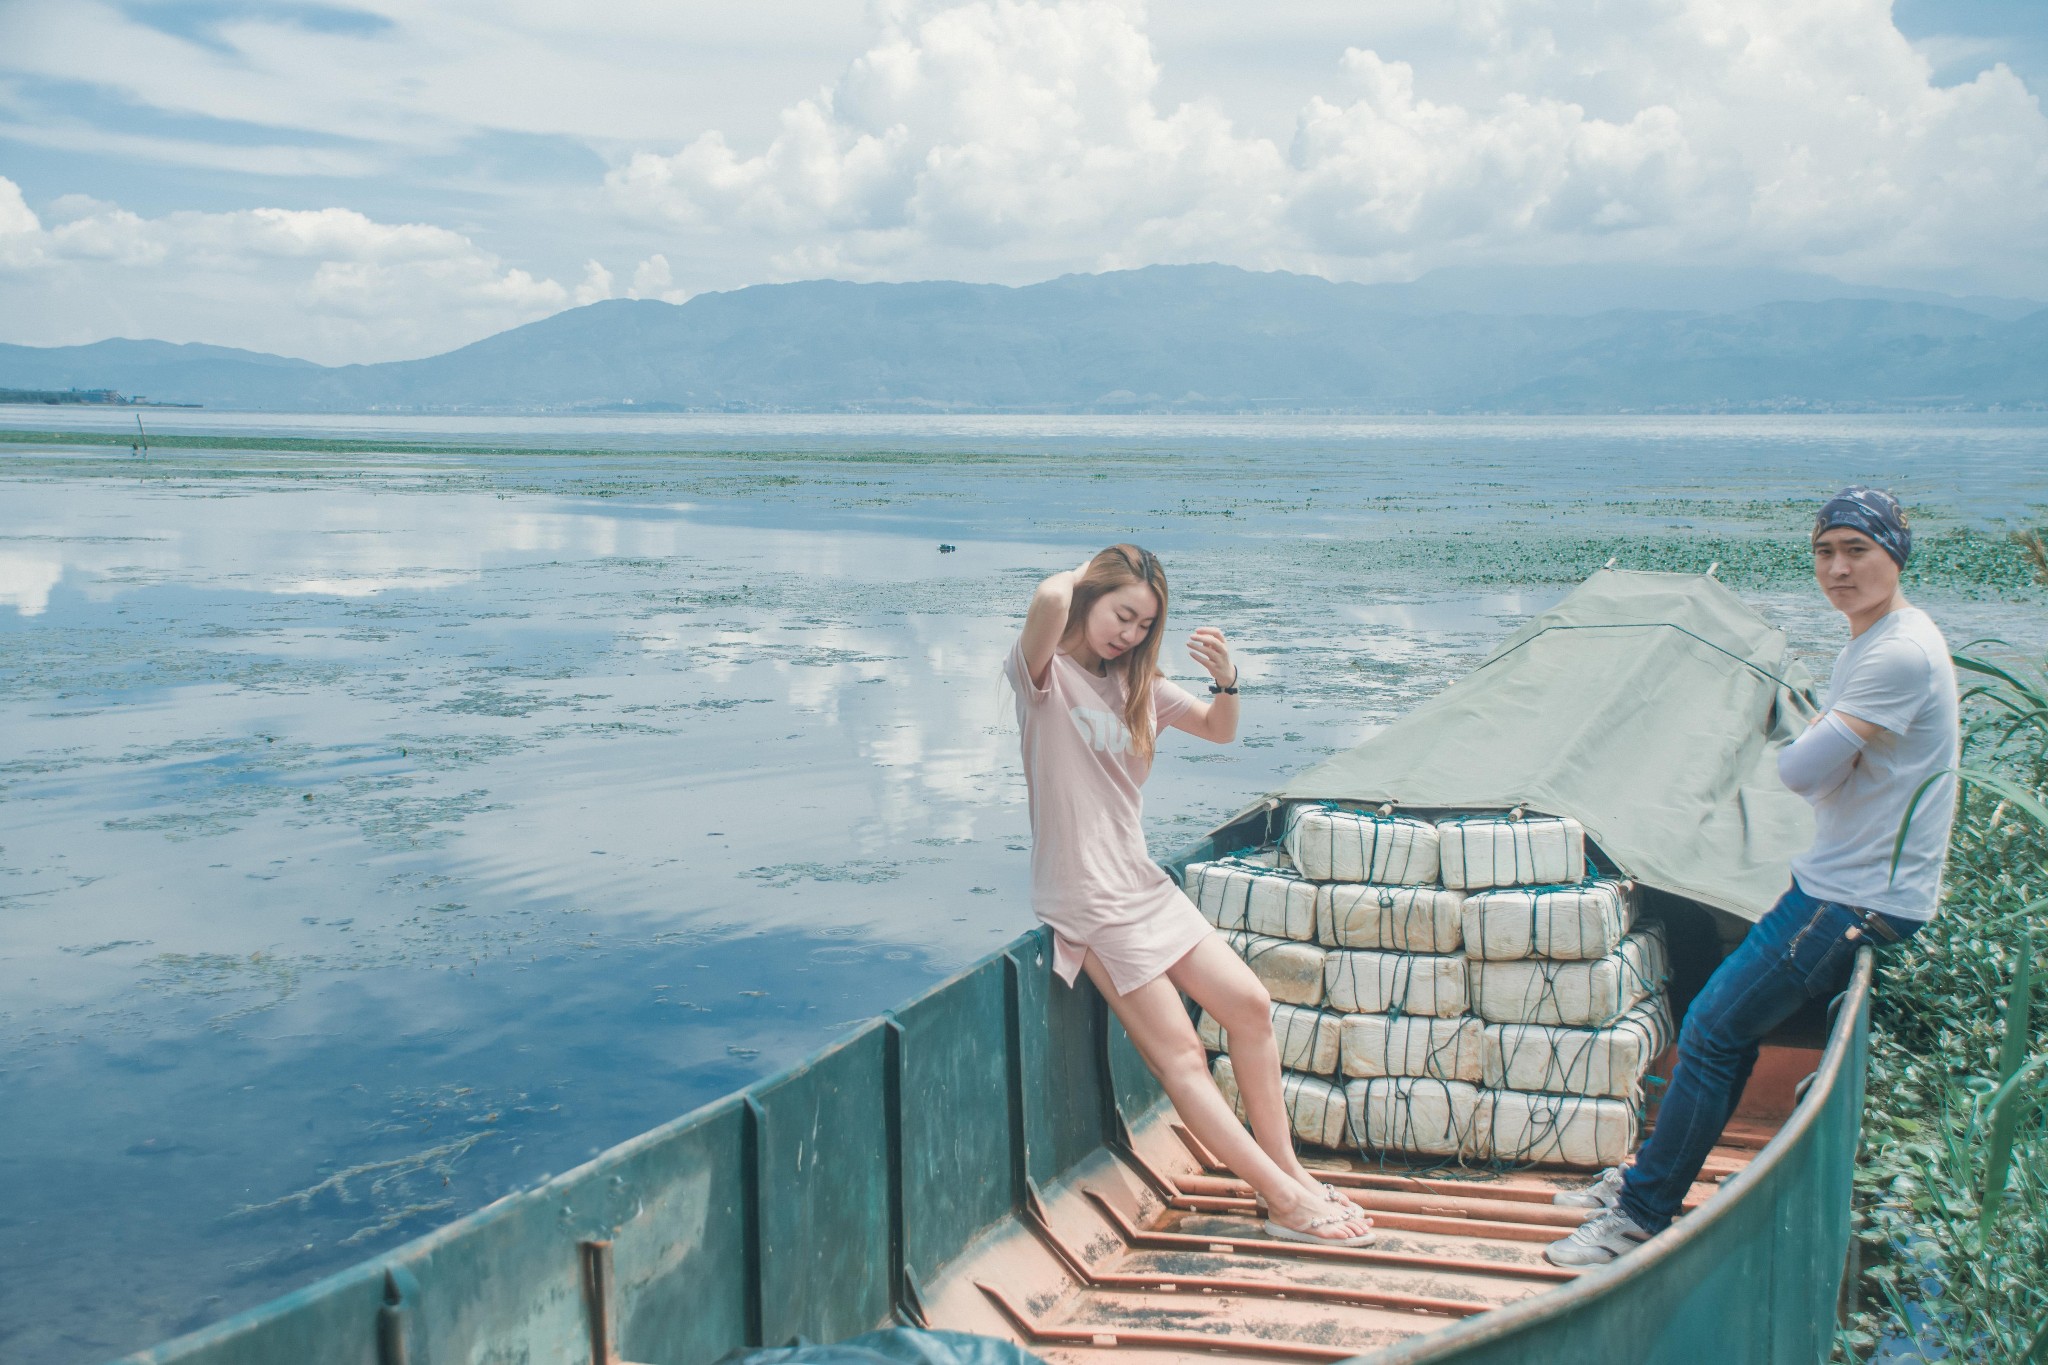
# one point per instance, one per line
(1873, 512)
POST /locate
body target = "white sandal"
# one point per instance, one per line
(1310, 1237)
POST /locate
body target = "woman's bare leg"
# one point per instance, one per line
(1218, 980)
(1158, 1026)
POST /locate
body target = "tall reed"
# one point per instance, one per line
(1951, 1196)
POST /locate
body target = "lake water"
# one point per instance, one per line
(384, 830)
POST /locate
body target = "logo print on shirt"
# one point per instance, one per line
(1104, 730)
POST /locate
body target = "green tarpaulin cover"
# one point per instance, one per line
(1648, 706)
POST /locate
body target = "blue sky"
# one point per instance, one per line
(355, 182)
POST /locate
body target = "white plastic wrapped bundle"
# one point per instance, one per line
(1358, 846)
(1411, 1045)
(1567, 922)
(1384, 983)
(1241, 894)
(1292, 972)
(1572, 1129)
(1315, 1107)
(1481, 851)
(1308, 1039)
(1408, 919)
(1606, 1062)
(1589, 994)
(1412, 1114)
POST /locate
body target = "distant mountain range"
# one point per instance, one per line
(1170, 338)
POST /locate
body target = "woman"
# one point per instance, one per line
(1091, 702)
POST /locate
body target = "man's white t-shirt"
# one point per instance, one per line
(1896, 675)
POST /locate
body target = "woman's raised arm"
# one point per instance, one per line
(1047, 621)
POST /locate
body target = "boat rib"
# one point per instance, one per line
(1155, 1252)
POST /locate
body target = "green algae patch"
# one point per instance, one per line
(1964, 562)
(247, 984)
(861, 871)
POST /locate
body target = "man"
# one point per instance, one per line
(1889, 725)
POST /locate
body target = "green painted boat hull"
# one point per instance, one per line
(816, 1203)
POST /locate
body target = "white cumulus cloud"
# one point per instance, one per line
(652, 279)
(1022, 131)
(327, 284)
(1004, 138)
(597, 284)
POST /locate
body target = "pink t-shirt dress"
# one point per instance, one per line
(1091, 878)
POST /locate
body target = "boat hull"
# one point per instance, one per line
(845, 1192)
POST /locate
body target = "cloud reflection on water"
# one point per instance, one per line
(26, 580)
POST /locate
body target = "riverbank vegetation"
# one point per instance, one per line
(95, 398)
(1951, 1197)
(1960, 561)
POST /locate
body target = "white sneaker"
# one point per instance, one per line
(1598, 1240)
(1601, 1194)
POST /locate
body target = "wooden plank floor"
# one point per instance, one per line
(1159, 1256)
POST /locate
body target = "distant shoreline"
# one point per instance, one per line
(1784, 408)
(80, 398)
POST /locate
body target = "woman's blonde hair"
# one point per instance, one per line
(1114, 568)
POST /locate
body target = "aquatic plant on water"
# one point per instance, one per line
(1951, 1195)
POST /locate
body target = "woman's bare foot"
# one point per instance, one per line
(1316, 1189)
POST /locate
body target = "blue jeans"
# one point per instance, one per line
(1802, 950)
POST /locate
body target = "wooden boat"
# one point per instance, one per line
(993, 1157)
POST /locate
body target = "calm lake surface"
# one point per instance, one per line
(384, 830)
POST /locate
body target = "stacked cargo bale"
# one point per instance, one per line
(1398, 973)
(1455, 989)
(1571, 987)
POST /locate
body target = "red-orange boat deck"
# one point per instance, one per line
(1157, 1254)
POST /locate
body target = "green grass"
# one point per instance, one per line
(1951, 1195)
